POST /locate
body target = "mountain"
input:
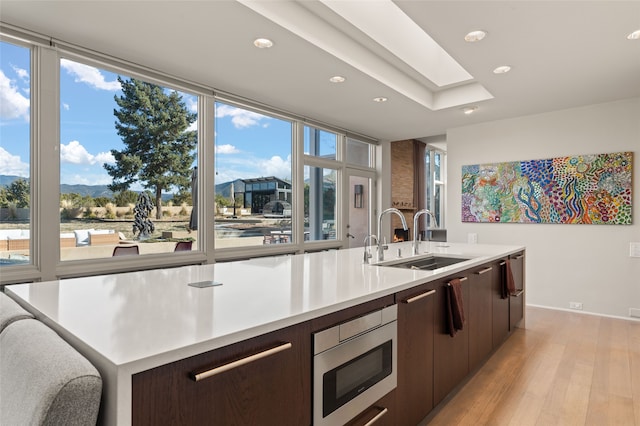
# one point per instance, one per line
(224, 188)
(6, 180)
(95, 191)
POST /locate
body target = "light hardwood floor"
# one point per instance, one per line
(564, 368)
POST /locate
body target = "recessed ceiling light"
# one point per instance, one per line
(474, 36)
(262, 43)
(337, 79)
(469, 110)
(502, 69)
(634, 35)
(380, 99)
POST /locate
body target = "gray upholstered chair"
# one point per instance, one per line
(44, 380)
(10, 311)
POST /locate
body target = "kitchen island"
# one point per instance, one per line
(129, 323)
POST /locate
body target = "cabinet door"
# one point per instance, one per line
(451, 354)
(516, 308)
(415, 353)
(480, 315)
(500, 316)
(382, 413)
(269, 382)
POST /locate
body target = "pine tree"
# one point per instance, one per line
(159, 150)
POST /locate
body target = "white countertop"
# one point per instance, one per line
(135, 321)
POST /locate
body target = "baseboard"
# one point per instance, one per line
(573, 311)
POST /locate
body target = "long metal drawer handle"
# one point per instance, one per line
(518, 294)
(418, 297)
(377, 417)
(503, 263)
(484, 271)
(225, 367)
(520, 256)
(461, 280)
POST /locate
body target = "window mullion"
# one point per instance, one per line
(46, 162)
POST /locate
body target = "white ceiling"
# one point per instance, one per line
(563, 54)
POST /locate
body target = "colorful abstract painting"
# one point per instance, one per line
(584, 189)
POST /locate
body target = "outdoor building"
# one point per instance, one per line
(258, 192)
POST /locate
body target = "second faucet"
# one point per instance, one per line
(381, 245)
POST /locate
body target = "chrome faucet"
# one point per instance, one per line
(381, 246)
(415, 227)
(367, 248)
(416, 231)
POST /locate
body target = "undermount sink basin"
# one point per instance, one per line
(427, 262)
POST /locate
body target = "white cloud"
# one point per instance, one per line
(12, 103)
(240, 118)
(104, 157)
(191, 102)
(89, 75)
(65, 106)
(12, 164)
(75, 153)
(226, 149)
(276, 166)
(245, 167)
(86, 179)
(22, 73)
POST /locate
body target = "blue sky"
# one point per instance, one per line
(247, 144)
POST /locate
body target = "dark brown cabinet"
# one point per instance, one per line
(480, 314)
(262, 380)
(415, 353)
(516, 302)
(451, 354)
(267, 379)
(382, 413)
(500, 304)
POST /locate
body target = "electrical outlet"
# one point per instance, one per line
(634, 249)
(575, 305)
(472, 238)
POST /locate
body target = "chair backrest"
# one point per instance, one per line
(183, 246)
(44, 380)
(125, 250)
(10, 311)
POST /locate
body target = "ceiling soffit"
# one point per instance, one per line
(445, 83)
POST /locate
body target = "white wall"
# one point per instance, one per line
(565, 263)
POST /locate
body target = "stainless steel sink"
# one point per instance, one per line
(425, 262)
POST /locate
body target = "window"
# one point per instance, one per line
(128, 150)
(320, 143)
(253, 178)
(321, 171)
(15, 134)
(359, 153)
(435, 172)
(320, 195)
(270, 182)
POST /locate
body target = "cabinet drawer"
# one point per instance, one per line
(382, 413)
(267, 377)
